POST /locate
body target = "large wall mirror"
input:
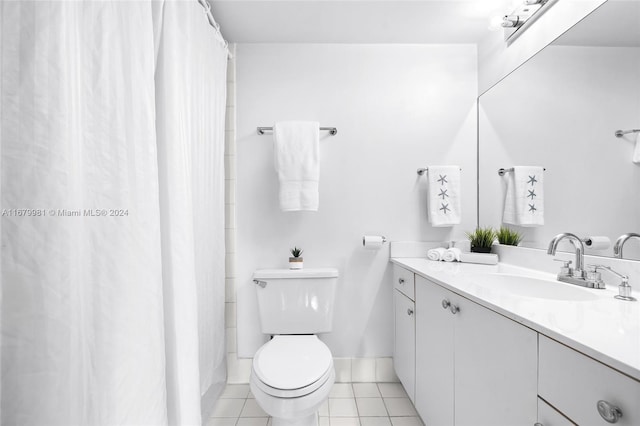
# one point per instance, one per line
(560, 111)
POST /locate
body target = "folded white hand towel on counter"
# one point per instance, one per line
(436, 253)
(297, 161)
(444, 195)
(452, 255)
(524, 201)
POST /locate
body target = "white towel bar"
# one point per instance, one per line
(502, 171)
(424, 170)
(332, 130)
(621, 133)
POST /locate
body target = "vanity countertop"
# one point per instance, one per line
(605, 328)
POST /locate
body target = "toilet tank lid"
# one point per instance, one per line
(263, 274)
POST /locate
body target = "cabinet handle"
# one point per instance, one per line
(445, 303)
(401, 281)
(454, 309)
(609, 412)
(538, 424)
(409, 311)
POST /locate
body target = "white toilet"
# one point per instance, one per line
(293, 373)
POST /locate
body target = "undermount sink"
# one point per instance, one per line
(537, 288)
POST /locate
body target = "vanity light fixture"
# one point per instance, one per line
(524, 14)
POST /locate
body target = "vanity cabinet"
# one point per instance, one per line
(549, 416)
(404, 348)
(575, 384)
(474, 366)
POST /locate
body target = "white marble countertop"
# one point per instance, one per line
(605, 328)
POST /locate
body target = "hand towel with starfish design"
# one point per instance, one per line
(444, 195)
(524, 201)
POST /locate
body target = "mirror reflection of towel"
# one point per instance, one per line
(524, 201)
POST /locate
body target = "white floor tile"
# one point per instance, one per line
(228, 407)
(375, 421)
(252, 409)
(235, 391)
(342, 407)
(220, 421)
(400, 407)
(405, 421)
(341, 390)
(371, 407)
(392, 390)
(252, 421)
(366, 390)
(344, 421)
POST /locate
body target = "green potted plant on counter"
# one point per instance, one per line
(481, 239)
(508, 237)
(296, 261)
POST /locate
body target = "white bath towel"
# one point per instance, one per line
(444, 195)
(452, 255)
(636, 150)
(436, 253)
(297, 161)
(524, 201)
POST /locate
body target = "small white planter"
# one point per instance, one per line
(295, 263)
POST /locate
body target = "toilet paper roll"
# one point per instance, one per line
(373, 242)
(597, 242)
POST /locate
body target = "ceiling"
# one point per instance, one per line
(357, 21)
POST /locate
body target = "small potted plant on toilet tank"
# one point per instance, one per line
(295, 261)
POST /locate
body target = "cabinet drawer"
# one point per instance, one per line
(574, 383)
(403, 281)
(548, 416)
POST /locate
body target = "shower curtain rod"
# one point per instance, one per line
(214, 24)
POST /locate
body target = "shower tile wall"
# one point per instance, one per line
(238, 369)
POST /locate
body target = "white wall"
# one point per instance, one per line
(397, 108)
(560, 111)
(496, 58)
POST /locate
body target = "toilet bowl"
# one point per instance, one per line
(291, 377)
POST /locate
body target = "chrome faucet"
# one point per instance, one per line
(577, 244)
(617, 247)
(576, 275)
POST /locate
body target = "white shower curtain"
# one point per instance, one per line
(111, 173)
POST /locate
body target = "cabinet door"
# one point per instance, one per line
(434, 355)
(495, 369)
(404, 350)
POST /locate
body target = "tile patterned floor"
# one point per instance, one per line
(349, 404)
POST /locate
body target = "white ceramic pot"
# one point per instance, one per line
(295, 263)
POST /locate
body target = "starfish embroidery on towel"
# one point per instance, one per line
(532, 180)
(443, 179)
(532, 208)
(532, 193)
(443, 193)
(445, 207)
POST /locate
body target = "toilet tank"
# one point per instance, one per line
(296, 301)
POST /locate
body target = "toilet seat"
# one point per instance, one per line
(292, 366)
